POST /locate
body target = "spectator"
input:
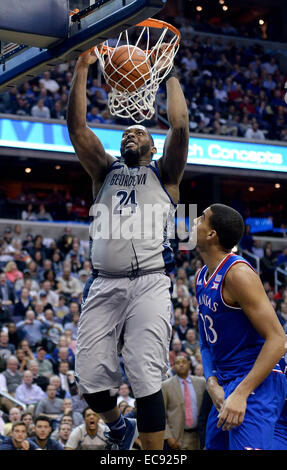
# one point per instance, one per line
(27, 418)
(183, 327)
(50, 406)
(11, 377)
(29, 213)
(64, 434)
(190, 344)
(32, 328)
(254, 133)
(7, 293)
(49, 83)
(67, 409)
(27, 392)
(45, 365)
(68, 285)
(14, 416)
(40, 111)
(88, 436)
(38, 379)
(56, 382)
(6, 349)
(43, 430)
(64, 355)
(12, 272)
(124, 394)
(23, 304)
(43, 215)
(73, 326)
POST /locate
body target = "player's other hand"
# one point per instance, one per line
(162, 56)
(232, 412)
(216, 394)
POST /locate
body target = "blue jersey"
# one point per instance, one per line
(225, 331)
(280, 433)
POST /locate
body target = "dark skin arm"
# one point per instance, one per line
(88, 147)
(173, 161)
(243, 288)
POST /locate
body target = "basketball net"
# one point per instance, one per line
(139, 104)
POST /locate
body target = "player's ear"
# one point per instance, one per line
(211, 235)
(153, 150)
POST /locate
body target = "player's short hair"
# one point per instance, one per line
(228, 224)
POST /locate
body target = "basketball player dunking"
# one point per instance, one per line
(241, 339)
(126, 304)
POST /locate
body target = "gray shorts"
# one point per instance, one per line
(127, 316)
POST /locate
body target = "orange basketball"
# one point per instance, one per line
(127, 69)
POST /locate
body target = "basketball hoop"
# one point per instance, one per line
(140, 77)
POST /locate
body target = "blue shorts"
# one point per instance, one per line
(263, 409)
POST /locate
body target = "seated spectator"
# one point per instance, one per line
(18, 439)
(190, 344)
(14, 416)
(29, 213)
(254, 133)
(64, 432)
(43, 215)
(40, 111)
(267, 266)
(73, 326)
(50, 406)
(183, 327)
(6, 349)
(24, 303)
(43, 430)
(124, 394)
(27, 418)
(24, 345)
(68, 285)
(54, 332)
(7, 293)
(11, 377)
(38, 379)
(56, 382)
(22, 360)
(32, 328)
(61, 310)
(67, 409)
(51, 296)
(49, 83)
(45, 365)
(64, 355)
(88, 436)
(29, 393)
(12, 272)
(257, 249)
(67, 378)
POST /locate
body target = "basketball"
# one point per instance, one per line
(127, 69)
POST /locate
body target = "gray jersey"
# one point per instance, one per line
(133, 216)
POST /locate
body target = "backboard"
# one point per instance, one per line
(100, 20)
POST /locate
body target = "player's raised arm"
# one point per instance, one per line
(173, 161)
(244, 288)
(88, 147)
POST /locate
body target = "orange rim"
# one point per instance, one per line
(150, 23)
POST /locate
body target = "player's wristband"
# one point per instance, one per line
(171, 73)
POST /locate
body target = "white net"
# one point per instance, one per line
(134, 91)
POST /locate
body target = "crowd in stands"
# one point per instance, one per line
(41, 286)
(231, 90)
